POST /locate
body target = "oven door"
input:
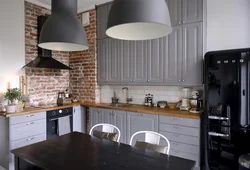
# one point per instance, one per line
(221, 150)
(53, 127)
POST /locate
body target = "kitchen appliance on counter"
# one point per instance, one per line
(227, 108)
(195, 103)
(59, 122)
(148, 100)
(185, 105)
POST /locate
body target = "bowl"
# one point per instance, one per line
(172, 105)
(162, 104)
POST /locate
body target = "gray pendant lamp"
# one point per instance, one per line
(138, 19)
(63, 31)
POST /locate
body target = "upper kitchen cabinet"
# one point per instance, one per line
(185, 11)
(192, 11)
(102, 18)
(155, 52)
(192, 54)
(173, 57)
(134, 62)
(12, 41)
(102, 60)
(175, 11)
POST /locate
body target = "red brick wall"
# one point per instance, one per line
(43, 84)
(83, 79)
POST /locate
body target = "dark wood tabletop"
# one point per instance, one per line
(77, 151)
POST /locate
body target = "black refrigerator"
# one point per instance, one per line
(227, 108)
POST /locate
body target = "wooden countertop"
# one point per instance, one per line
(31, 110)
(129, 108)
(147, 110)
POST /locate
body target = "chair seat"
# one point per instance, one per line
(149, 146)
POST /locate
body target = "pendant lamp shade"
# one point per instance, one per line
(138, 19)
(63, 31)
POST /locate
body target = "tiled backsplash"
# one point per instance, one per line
(166, 93)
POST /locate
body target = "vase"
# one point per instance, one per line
(11, 108)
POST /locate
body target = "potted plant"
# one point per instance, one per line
(13, 96)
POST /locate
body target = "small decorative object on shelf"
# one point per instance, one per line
(14, 97)
(115, 99)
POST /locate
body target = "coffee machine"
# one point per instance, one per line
(195, 103)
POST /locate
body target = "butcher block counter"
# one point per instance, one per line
(129, 107)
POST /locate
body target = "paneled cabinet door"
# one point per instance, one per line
(102, 20)
(119, 120)
(155, 52)
(96, 117)
(79, 119)
(192, 54)
(175, 11)
(173, 55)
(115, 56)
(102, 59)
(192, 11)
(126, 60)
(107, 116)
(140, 122)
(139, 52)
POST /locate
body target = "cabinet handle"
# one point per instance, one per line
(148, 80)
(31, 123)
(180, 22)
(179, 80)
(175, 135)
(183, 80)
(131, 80)
(176, 144)
(30, 139)
(184, 22)
(30, 115)
(176, 127)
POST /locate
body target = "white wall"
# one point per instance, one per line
(12, 42)
(228, 24)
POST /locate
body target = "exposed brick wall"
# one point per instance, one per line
(83, 79)
(44, 84)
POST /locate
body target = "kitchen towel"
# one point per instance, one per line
(64, 125)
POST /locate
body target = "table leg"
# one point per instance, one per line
(17, 163)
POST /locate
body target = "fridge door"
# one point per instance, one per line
(227, 89)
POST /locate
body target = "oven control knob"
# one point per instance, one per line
(53, 113)
(60, 111)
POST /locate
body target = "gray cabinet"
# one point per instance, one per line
(175, 11)
(139, 122)
(114, 60)
(173, 57)
(172, 60)
(155, 52)
(114, 117)
(96, 117)
(79, 119)
(102, 18)
(192, 11)
(192, 54)
(102, 60)
(185, 11)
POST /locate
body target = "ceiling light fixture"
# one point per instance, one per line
(138, 19)
(63, 31)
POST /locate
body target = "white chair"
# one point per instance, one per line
(108, 128)
(152, 138)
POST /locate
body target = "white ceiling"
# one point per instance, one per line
(83, 5)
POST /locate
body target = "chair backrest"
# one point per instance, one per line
(152, 138)
(108, 128)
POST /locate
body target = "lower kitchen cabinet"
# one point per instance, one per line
(79, 119)
(139, 122)
(95, 117)
(20, 131)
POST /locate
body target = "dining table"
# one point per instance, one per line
(78, 151)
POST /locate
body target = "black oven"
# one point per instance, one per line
(53, 117)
